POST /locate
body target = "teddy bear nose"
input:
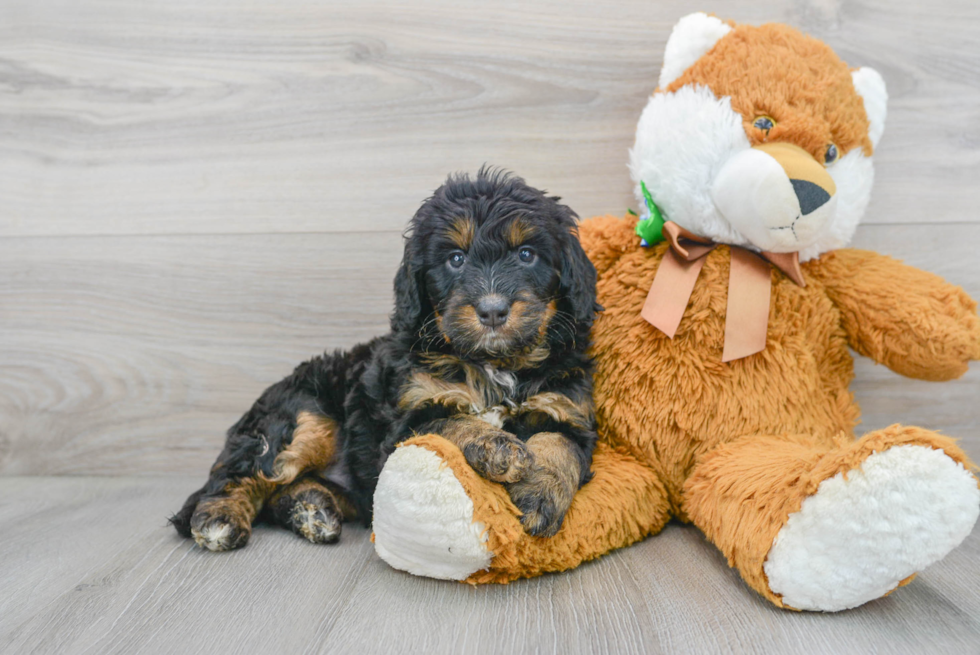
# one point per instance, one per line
(493, 310)
(811, 196)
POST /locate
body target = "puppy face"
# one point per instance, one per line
(493, 283)
(493, 268)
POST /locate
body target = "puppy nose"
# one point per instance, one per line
(493, 310)
(811, 196)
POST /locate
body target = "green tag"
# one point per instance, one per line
(651, 230)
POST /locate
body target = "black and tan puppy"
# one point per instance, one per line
(494, 302)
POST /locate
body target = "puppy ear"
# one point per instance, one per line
(578, 278)
(408, 292)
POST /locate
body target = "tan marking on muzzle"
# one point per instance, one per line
(546, 316)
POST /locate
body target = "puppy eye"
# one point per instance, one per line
(831, 155)
(457, 258)
(764, 123)
(526, 255)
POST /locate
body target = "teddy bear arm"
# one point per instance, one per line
(607, 238)
(912, 321)
(435, 516)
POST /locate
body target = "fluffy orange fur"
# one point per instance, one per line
(736, 447)
(621, 484)
(770, 71)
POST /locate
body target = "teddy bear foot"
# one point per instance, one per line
(858, 537)
(423, 518)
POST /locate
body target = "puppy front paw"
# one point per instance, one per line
(543, 498)
(499, 457)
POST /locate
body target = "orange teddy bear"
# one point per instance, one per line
(722, 363)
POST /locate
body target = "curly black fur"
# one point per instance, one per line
(434, 330)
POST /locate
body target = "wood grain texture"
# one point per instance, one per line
(116, 347)
(124, 583)
(126, 355)
(194, 197)
(298, 116)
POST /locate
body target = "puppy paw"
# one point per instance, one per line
(317, 522)
(543, 499)
(499, 457)
(219, 532)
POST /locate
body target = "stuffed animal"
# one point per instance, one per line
(722, 362)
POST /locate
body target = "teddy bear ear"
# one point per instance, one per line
(871, 87)
(693, 36)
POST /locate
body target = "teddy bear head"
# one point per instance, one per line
(759, 137)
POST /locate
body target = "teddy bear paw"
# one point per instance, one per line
(423, 518)
(859, 536)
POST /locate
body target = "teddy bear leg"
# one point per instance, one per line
(829, 525)
(436, 517)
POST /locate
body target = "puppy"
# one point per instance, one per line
(494, 300)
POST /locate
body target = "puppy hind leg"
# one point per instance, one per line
(223, 520)
(313, 446)
(219, 516)
(290, 429)
(311, 509)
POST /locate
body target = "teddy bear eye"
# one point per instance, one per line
(831, 155)
(764, 123)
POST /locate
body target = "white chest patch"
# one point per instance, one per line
(504, 384)
(505, 381)
(495, 416)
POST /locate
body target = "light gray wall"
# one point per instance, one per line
(196, 196)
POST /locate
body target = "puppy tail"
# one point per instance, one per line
(182, 519)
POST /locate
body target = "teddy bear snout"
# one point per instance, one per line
(775, 195)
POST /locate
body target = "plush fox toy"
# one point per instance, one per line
(722, 362)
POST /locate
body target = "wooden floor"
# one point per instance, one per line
(195, 196)
(88, 567)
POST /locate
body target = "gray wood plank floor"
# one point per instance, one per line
(194, 197)
(94, 570)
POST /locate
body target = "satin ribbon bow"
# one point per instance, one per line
(749, 289)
